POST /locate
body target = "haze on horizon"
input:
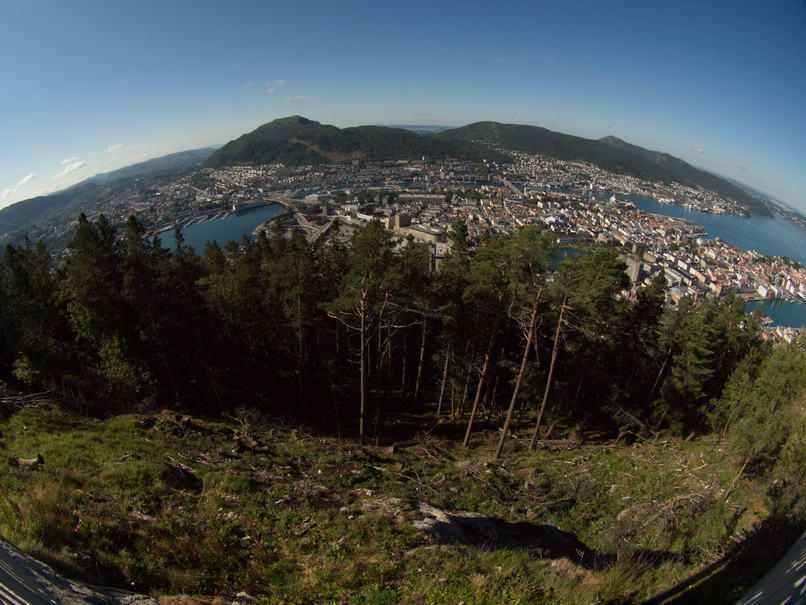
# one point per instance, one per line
(92, 86)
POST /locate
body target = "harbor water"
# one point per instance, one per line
(773, 236)
(230, 228)
(769, 236)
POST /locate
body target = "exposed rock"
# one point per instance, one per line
(475, 529)
(145, 423)
(438, 524)
(180, 478)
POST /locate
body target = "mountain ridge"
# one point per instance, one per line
(23, 213)
(299, 141)
(296, 140)
(694, 175)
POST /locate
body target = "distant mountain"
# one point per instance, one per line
(298, 141)
(533, 139)
(418, 129)
(18, 216)
(182, 159)
(687, 172)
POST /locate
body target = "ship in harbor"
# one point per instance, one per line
(244, 206)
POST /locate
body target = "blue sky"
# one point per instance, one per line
(92, 85)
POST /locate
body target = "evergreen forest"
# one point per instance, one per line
(363, 341)
(348, 335)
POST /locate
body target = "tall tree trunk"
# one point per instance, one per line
(363, 381)
(488, 355)
(404, 365)
(420, 363)
(444, 381)
(301, 362)
(659, 376)
(460, 409)
(554, 350)
(519, 379)
(164, 357)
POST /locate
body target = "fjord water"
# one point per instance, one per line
(232, 227)
(772, 236)
(783, 313)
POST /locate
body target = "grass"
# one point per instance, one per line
(170, 505)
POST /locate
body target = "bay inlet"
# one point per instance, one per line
(772, 236)
(232, 227)
(769, 236)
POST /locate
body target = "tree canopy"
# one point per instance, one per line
(348, 335)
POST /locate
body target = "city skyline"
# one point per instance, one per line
(91, 86)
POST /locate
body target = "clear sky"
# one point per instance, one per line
(89, 86)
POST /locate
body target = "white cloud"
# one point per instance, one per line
(250, 85)
(297, 98)
(112, 148)
(27, 179)
(522, 121)
(68, 160)
(71, 168)
(271, 91)
(12, 190)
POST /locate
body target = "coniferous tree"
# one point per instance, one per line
(363, 299)
(38, 337)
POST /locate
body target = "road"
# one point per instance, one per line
(26, 581)
(311, 231)
(18, 586)
(786, 582)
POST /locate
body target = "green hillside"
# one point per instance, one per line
(298, 141)
(31, 212)
(687, 172)
(533, 139)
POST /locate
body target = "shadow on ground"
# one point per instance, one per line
(542, 540)
(727, 580)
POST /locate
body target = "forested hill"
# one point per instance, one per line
(101, 186)
(687, 172)
(534, 139)
(501, 344)
(298, 141)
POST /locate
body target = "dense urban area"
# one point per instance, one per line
(424, 198)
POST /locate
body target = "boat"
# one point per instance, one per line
(247, 205)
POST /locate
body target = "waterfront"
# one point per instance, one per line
(772, 236)
(782, 313)
(765, 235)
(232, 227)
